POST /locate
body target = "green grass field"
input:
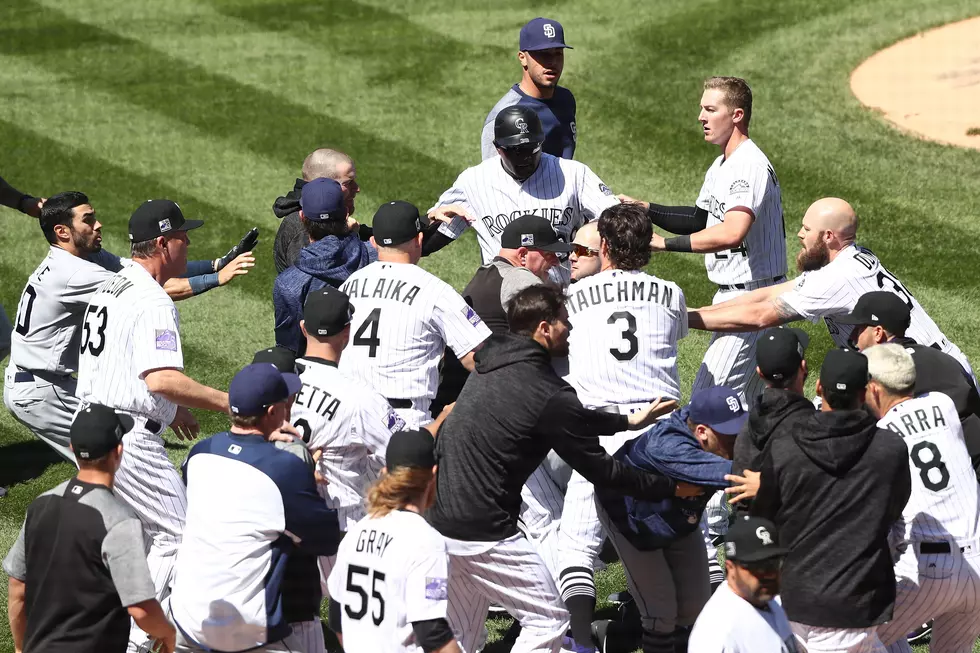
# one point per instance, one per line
(215, 103)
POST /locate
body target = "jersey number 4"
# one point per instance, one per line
(933, 462)
(354, 585)
(93, 329)
(628, 335)
(369, 326)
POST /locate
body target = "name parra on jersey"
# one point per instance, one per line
(565, 192)
(746, 178)
(623, 342)
(945, 497)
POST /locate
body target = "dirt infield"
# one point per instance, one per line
(928, 84)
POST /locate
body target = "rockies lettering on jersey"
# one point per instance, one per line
(746, 179)
(945, 498)
(834, 289)
(565, 192)
(46, 336)
(349, 423)
(623, 342)
(130, 327)
(404, 319)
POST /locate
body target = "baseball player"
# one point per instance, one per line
(542, 57)
(737, 222)
(28, 205)
(938, 571)
(835, 273)
(39, 389)
(584, 258)
(405, 318)
(131, 360)
(389, 588)
(521, 179)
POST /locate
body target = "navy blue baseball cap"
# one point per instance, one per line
(719, 408)
(542, 34)
(323, 199)
(258, 386)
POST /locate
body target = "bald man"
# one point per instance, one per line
(585, 251)
(835, 272)
(291, 237)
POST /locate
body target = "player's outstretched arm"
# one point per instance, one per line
(727, 235)
(180, 288)
(756, 296)
(17, 611)
(743, 317)
(185, 391)
(682, 220)
(27, 204)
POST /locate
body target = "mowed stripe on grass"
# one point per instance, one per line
(216, 103)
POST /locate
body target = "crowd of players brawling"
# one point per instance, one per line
(421, 456)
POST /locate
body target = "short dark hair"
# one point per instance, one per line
(320, 230)
(59, 209)
(738, 95)
(843, 400)
(532, 306)
(626, 230)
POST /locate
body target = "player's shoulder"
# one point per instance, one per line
(509, 99)
(427, 537)
(749, 158)
(564, 96)
(939, 399)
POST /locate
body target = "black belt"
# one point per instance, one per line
(153, 426)
(21, 377)
(400, 403)
(935, 547)
(741, 286)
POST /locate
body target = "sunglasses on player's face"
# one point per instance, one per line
(763, 567)
(582, 250)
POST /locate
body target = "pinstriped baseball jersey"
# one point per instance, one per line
(746, 179)
(565, 192)
(404, 319)
(945, 498)
(130, 327)
(350, 423)
(622, 348)
(834, 289)
(46, 336)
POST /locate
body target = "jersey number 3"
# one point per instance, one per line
(93, 329)
(628, 335)
(354, 585)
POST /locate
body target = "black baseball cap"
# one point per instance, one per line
(880, 308)
(844, 372)
(752, 539)
(97, 430)
(258, 386)
(282, 358)
(398, 222)
(327, 312)
(532, 232)
(157, 218)
(780, 352)
(411, 449)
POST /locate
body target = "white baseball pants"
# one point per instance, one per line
(46, 406)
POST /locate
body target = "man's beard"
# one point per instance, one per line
(814, 258)
(85, 245)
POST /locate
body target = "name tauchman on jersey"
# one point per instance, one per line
(625, 290)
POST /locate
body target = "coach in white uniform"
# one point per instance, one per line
(835, 273)
(406, 317)
(131, 360)
(39, 389)
(938, 571)
(737, 222)
(520, 180)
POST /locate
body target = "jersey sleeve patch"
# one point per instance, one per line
(738, 186)
(604, 189)
(166, 340)
(471, 315)
(436, 589)
(393, 422)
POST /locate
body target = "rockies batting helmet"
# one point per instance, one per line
(517, 125)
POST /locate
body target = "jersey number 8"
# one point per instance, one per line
(935, 461)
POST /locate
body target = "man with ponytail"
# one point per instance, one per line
(389, 585)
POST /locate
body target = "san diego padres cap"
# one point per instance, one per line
(327, 312)
(719, 408)
(157, 218)
(751, 539)
(780, 352)
(411, 449)
(258, 386)
(532, 232)
(542, 34)
(880, 308)
(397, 222)
(97, 430)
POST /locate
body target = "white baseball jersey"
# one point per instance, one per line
(834, 289)
(565, 192)
(623, 343)
(730, 624)
(404, 319)
(391, 572)
(746, 179)
(130, 327)
(350, 423)
(945, 498)
(46, 335)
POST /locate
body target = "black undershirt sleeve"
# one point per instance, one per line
(10, 196)
(432, 634)
(683, 220)
(364, 232)
(334, 618)
(433, 240)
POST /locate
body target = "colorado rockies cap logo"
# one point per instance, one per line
(164, 225)
(527, 240)
(522, 125)
(549, 30)
(763, 536)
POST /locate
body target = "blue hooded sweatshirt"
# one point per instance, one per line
(668, 448)
(326, 262)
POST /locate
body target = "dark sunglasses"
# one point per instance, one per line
(762, 567)
(582, 250)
